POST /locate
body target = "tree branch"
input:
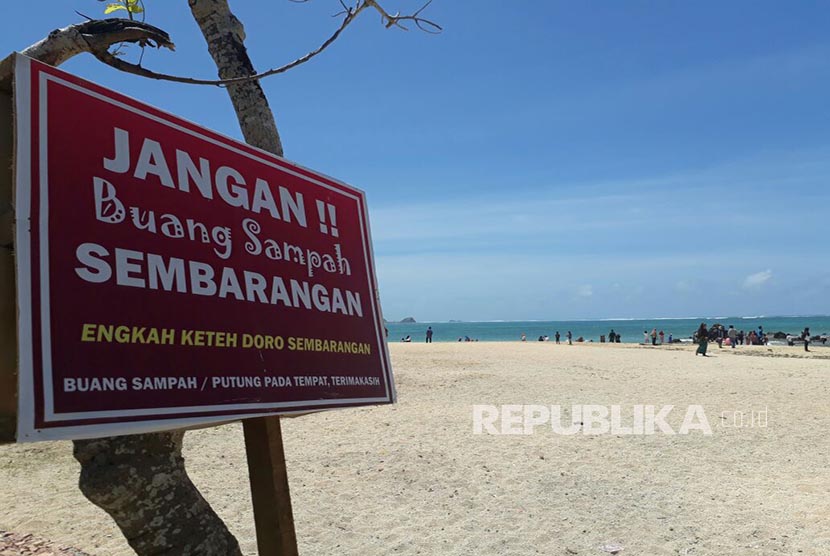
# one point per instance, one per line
(97, 36)
(350, 13)
(90, 36)
(396, 20)
(123, 65)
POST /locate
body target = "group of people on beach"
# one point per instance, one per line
(408, 338)
(733, 337)
(654, 336)
(702, 337)
(557, 338)
(428, 337)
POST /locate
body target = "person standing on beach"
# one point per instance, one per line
(806, 336)
(654, 336)
(662, 337)
(645, 337)
(570, 337)
(733, 336)
(612, 336)
(429, 334)
(557, 336)
(524, 337)
(702, 340)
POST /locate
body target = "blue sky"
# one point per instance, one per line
(545, 160)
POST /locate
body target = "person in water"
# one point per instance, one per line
(702, 340)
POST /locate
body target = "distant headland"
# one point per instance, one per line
(407, 320)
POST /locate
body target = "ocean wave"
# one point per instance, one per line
(619, 319)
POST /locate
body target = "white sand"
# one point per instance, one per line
(413, 479)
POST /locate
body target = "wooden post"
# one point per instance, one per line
(269, 487)
(8, 313)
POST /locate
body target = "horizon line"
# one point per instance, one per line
(612, 319)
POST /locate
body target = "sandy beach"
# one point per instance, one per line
(414, 479)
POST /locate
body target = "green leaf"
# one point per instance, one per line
(134, 7)
(114, 8)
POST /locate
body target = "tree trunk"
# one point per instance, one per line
(225, 37)
(151, 467)
(141, 482)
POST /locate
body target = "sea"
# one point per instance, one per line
(630, 330)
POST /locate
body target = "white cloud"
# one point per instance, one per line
(594, 214)
(685, 286)
(755, 281)
(585, 290)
